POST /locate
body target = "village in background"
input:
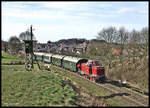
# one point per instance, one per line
(69, 45)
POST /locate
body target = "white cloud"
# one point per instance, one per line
(133, 9)
(41, 13)
(105, 5)
(125, 9)
(77, 19)
(59, 4)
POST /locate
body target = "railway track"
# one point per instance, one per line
(133, 95)
(128, 97)
(136, 99)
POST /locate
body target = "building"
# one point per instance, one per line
(4, 45)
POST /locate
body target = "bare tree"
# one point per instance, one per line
(144, 40)
(122, 40)
(135, 42)
(26, 36)
(14, 44)
(110, 36)
(123, 37)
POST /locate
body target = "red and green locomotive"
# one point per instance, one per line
(90, 69)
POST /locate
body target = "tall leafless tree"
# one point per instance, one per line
(26, 36)
(144, 39)
(135, 44)
(122, 40)
(109, 35)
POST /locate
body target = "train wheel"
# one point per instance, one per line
(94, 79)
(87, 77)
(83, 76)
(78, 73)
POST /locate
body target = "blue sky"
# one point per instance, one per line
(63, 20)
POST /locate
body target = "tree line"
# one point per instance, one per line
(135, 43)
(137, 39)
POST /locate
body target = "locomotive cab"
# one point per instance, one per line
(94, 70)
(97, 68)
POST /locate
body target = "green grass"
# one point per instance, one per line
(88, 87)
(34, 88)
(7, 58)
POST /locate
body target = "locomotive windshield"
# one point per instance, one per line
(96, 63)
(93, 63)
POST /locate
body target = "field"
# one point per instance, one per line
(6, 58)
(33, 88)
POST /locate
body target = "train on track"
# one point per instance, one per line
(90, 69)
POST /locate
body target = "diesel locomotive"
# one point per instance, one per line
(90, 69)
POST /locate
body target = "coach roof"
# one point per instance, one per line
(48, 54)
(73, 59)
(38, 53)
(58, 56)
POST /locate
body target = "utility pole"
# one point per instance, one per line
(32, 45)
(31, 31)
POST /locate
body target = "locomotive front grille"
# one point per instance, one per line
(100, 71)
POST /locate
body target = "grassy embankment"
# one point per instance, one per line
(6, 58)
(89, 88)
(33, 88)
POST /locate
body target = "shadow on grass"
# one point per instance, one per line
(116, 83)
(113, 95)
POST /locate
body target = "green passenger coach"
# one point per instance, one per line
(39, 56)
(47, 57)
(71, 62)
(57, 59)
